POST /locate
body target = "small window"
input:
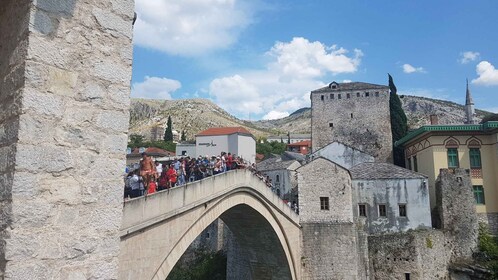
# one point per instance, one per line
(382, 210)
(376, 94)
(331, 124)
(415, 164)
(367, 94)
(357, 94)
(334, 86)
(479, 195)
(277, 179)
(475, 158)
(351, 115)
(323, 97)
(362, 210)
(324, 203)
(453, 158)
(402, 210)
(409, 163)
(331, 96)
(407, 276)
(339, 96)
(348, 96)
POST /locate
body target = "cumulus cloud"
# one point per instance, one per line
(284, 85)
(488, 74)
(190, 27)
(155, 88)
(407, 68)
(275, 115)
(466, 57)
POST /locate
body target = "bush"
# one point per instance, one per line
(206, 265)
(488, 245)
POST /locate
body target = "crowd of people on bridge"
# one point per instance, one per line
(152, 176)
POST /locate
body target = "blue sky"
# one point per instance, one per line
(259, 59)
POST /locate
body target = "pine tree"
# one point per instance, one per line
(184, 137)
(168, 133)
(399, 125)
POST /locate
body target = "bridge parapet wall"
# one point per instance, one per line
(145, 211)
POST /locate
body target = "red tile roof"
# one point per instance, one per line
(154, 152)
(224, 131)
(301, 143)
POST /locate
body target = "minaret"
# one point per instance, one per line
(469, 107)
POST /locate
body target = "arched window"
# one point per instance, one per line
(277, 179)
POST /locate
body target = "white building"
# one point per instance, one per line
(236, 140)
(293, 137)
(389, 198)
(186, 149)
(343, 154)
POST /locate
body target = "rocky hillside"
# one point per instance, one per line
(189, 115)
(195, 115)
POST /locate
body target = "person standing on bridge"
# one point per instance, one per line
(147, 169)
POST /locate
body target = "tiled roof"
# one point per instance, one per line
(350, 86)
(224, 131)
(274, 163)
(301, 143)
(379, 170)
(287, 155)
(152, 151)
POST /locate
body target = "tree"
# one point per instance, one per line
(168, 133)
(136, 140)
(184, 137)
(399, 123)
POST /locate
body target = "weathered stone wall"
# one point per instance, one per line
(344, 155)
(361, 122)
(491, 219)
(329, 240)
(69, 157)
(413, 193)
(422, 254)
(323, 178)
(14, 19)
(329, 251)
(456, 209)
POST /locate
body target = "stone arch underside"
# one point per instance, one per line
(263, 235)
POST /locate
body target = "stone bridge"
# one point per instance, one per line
(157, 229)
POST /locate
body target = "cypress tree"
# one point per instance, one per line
(399, 124)
(168, 133)
(184, 136)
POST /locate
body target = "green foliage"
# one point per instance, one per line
(136, 140)
(399, 122)
(168, 133)
(184, 136)
(490, 118)
(266, 148)
(488, 245)
(205, 266)
(428, 242)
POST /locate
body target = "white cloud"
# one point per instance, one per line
(190, 27)
(466, 57)
(285, 83)
(275, 115)
(407, 68)
(347, 81)
(488, 74)
(155, 88)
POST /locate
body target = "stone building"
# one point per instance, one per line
(469, 146)
(356, 114)
(388, 198)
(343, 154)
(282, 174)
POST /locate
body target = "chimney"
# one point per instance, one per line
(434, 119)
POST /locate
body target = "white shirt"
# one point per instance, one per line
(136, 183)
(159, 169)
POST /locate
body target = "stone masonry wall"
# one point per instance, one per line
(422, 254)
(70, 156)
(491, 219)
(457, 216)
(361, 122)
(14, 19)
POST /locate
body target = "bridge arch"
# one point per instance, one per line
(241, 200)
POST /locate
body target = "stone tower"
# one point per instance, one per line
(469, 107)
(356, 114)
